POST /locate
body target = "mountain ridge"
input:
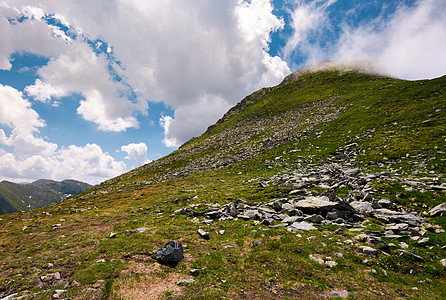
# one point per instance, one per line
(330, 185)
(16, 197)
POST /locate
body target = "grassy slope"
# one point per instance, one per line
(383, 115)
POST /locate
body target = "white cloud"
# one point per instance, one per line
(34, 158)
(176, 52)
(410, 44)
(80, 70)
(32, 35)
(89, 164)
(137, 152)
(169, 139)
(306, 19)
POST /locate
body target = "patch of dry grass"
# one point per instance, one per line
(147, 287)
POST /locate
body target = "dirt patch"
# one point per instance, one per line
(141, 268)
(148, 287)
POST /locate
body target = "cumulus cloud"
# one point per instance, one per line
(88, 163)
(32, 35)
(410, 44)
(80, 70)
(17, 114)
(137, 152)
(33, 157)
(174, 52)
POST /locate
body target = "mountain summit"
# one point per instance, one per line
(329, 185)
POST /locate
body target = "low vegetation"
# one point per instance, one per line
(333, 120)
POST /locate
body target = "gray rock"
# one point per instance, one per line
(405, 252)
(185, 281)
(362, 237)
(252, 214)
(314, 219)
(331, 263)
(302, 226)
(385, 203)
(369, 251)
(423, 242)
(361, 207)
(256, 242)
(338, 294)
(203, 234)
(332, 215)
(316, 204)
(268, 221)
(56, 276)
(315, 258)
(443, 262)
(292, 219)
(438, 210)
(390, 216)
(351, 172)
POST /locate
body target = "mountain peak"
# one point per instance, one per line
(366, 66)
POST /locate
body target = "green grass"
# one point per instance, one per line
(382, 115)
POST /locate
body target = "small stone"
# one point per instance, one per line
(221, 232)
(268, 221)
(256, 242)
(185, 281)
(315, 258)
(302, 226)
(443, 262)
(314, 219)
(417, 257)
(362, 237)
(203, 234)
(112, 235)
(338, 294)
(331, 263)
(423, 242)
(56, 276)
(404, 245)
(101, 261)
(369, 251)
(207, 222)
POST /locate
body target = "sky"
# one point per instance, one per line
(91, 89)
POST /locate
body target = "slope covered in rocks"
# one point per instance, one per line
(330, 184)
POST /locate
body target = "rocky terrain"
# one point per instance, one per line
(329, 185)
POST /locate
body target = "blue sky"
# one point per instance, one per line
(89, 90)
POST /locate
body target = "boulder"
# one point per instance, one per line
(316, 204)
(369, 251)
(390, 216)
(362, 207)
(301, 226)
(171, 252)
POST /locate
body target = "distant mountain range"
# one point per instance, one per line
(21, 197)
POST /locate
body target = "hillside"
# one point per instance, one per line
(21, 197)
(321, 187)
